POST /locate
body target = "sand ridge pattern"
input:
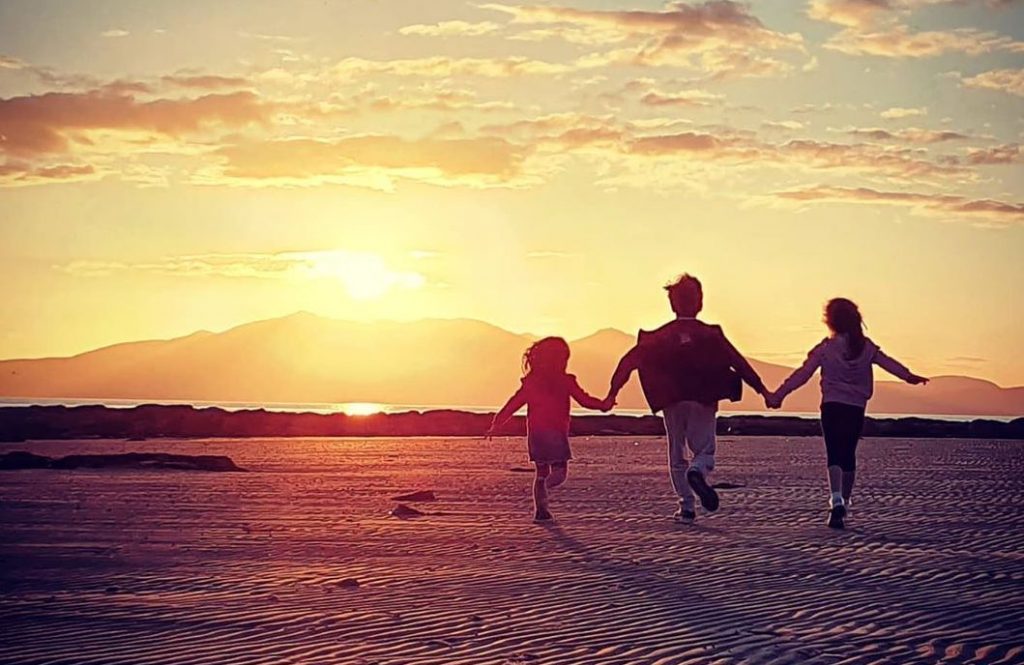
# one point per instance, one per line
(140, 567)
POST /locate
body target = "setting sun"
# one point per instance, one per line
(361, 408)
(364, 276)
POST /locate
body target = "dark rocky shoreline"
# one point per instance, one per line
(167, 421)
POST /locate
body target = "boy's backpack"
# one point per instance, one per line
(686, 360)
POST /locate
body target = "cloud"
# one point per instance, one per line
(1010, 81)
(115, 32)
(899, 112)
(562, 134)
(999, 155)
(264, 37)
(864, 159)
(787, 125)
(444, 101)
(205, 81)
(686, 98)
(851, 13)
(872, 27)
(49, 123)
(8, 62)
(444, 66)
(375, 161)
(933, 205)
(720, 37)
(909, 135)
(20, 173)
(451, 29)
(899, 42)
(364, 275)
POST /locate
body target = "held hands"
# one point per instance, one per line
(915, 380)
(607, 404)
(772, 400)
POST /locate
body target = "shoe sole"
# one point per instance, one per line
(835, 518)
(708, 495)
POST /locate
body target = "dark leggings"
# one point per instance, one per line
(841, 425)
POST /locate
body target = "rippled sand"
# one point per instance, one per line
(173, 567)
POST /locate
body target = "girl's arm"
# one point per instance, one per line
(896, 368)
(802, 374)
(514, 403)
(585, 399)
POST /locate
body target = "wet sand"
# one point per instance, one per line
(298, 561)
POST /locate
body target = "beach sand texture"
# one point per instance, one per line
(179, 567)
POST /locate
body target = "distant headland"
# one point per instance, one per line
(183, 421)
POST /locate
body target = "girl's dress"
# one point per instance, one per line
(547, 417)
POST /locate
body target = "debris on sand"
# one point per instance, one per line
(404, 512)
(520, 469)
(349, 583)
(728, 486)
(419, 495)
(20, 459)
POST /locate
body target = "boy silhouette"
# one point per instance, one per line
(686, 366)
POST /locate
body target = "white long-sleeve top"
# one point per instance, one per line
(843, 380)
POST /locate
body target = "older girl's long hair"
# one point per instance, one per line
(843, 318)
(546, 357)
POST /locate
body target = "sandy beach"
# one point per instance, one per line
(298, 561)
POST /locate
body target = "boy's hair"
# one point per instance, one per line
(685, 295)
(546, 356)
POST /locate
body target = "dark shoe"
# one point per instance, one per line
(542, 515)
(684, 516)
(835, 517)
(699, 484)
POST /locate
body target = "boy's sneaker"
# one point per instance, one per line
(684, 516)
(836, 516)
(542, 515)
(708, 495)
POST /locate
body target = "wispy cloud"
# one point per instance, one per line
(444, 67)
(451, 29)
(874, 27)
(49, 123)
(719, 37)
(908, 135)
(364, 275)
(115, 32)
(900, 112)
(934, 205)
(375, 161)
(1005, 80)
(19, 173)
(206, 81)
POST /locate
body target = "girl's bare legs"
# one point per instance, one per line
(540, 490)
(559, 472)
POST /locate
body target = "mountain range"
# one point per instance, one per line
(305, 358)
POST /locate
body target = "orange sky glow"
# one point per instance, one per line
(170, 167)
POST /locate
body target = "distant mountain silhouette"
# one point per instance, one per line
(308, 358)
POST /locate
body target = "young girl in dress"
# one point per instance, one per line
(545, 391)
(845, 359)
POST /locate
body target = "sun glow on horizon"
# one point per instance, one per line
(364, 275)
(361, 408)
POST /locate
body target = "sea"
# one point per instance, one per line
(370, 408)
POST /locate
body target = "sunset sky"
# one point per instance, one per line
(168, 167)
